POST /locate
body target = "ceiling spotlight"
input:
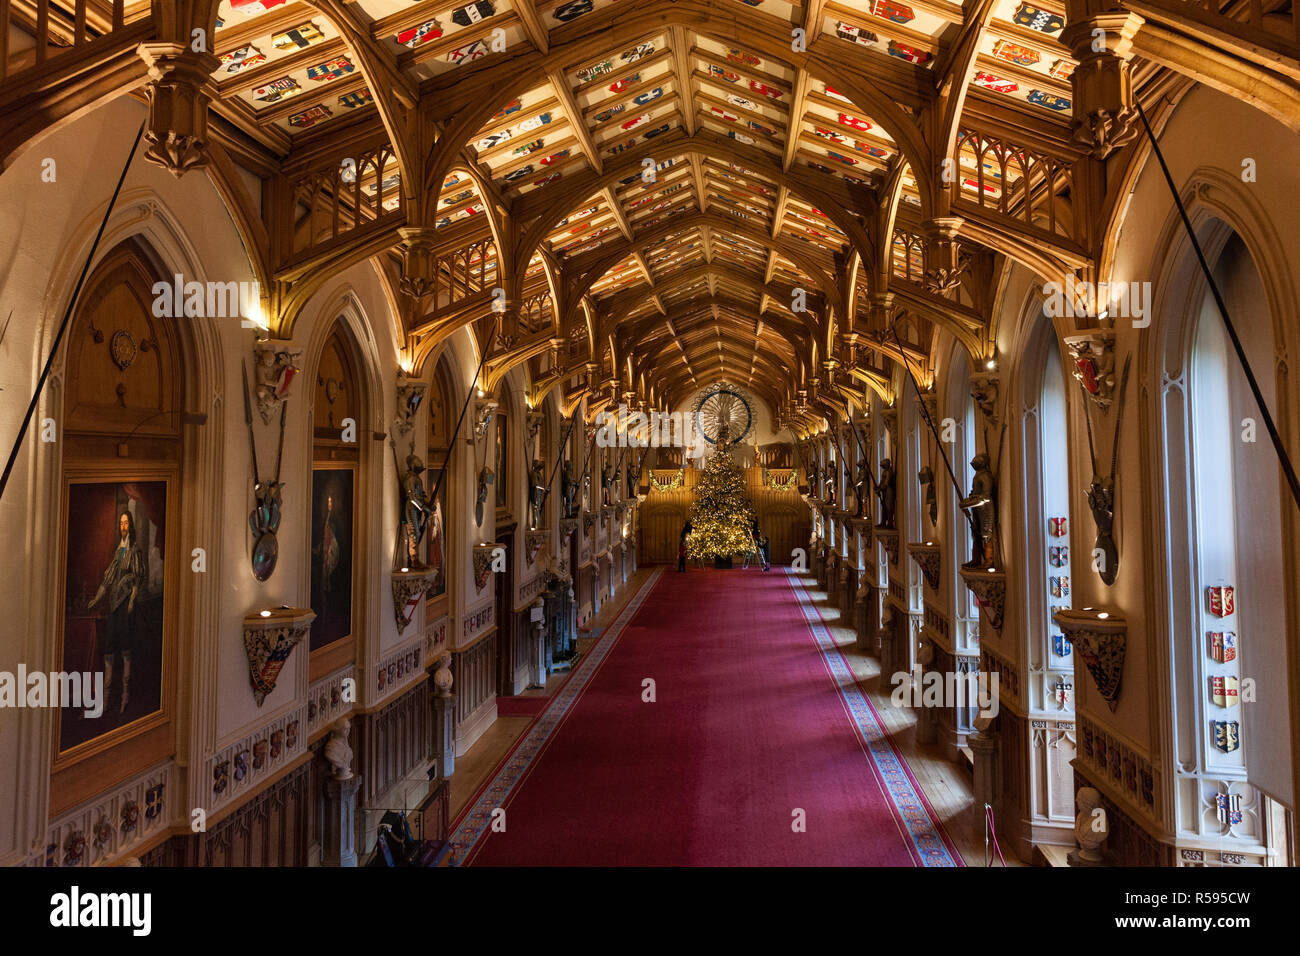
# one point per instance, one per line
(991, 364)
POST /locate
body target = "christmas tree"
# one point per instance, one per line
(721, 515)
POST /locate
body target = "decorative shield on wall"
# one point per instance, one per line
(268, 642)
(1223, 646)
(1228, 806)
(1223, 691)
(1227, 735)
(1058, 555)
(1103, 654)
(1057, 527)
(1221, 600)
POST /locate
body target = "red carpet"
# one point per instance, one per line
(748, 726)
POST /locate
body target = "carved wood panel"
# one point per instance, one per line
(122, 363)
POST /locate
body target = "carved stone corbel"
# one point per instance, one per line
(409, 587)
(418, 260)
(929, 558)
(1092, 362)
(410, 395)
(274, 369)
(567, 527)
(269, 638)
(984, 391)
(534, 542)
(944, 267)
(1104, 115)
(1101, 640)
(881, 310)
(888, 538)
(484, 554)
(485, 410)
(990, 589)
(177, 131)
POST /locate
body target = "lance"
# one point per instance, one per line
(248, 420)
(925, 412)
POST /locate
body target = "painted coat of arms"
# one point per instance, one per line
(1228, 806)
(1227, 735)
(1223, 691)
(1221, 601)
(267, 650)
(1223, 646)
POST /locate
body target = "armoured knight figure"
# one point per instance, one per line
(1101, 501)
(416, 509)
(926, 478)
(979, 505)
(814, 487)
(886, 490)
(633, 473)
(536, 493)
(569, 490)
(605, 483)
(862, 486)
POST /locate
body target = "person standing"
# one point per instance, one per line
(123, 578)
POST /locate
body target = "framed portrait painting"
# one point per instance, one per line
(115, 603)
(332, 518)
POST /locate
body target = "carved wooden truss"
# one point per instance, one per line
(642, 197)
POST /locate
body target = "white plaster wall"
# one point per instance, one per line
(47, 229)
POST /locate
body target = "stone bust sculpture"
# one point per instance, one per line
(1091, 828)
(337, 750)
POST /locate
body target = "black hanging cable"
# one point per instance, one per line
(862, 449)
(451, 445)
(590, 448)
(559, 456)
(1282, 455)
(67, 317)
(925, 412)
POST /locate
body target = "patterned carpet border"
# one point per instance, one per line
(476, 822)
(930, 841)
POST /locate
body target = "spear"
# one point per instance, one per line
(248, 420)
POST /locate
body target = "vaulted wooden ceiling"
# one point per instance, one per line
(704, 177)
